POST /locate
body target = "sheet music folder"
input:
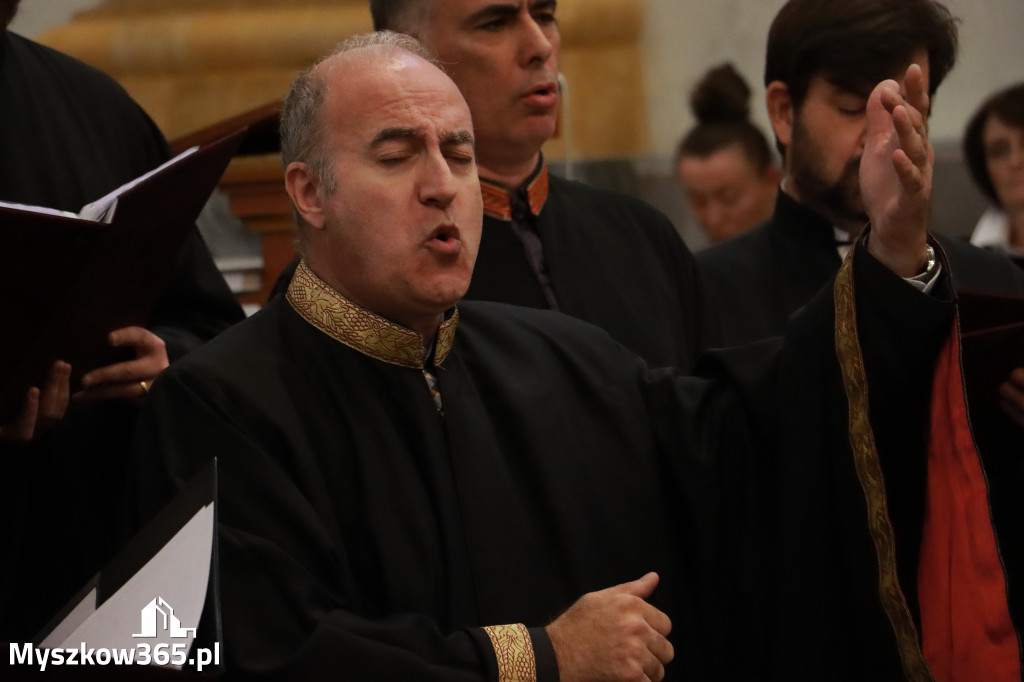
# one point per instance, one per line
(69, 282)
(173, 558)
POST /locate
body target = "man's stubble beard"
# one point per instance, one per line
(839, 201)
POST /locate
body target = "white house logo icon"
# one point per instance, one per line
(159, 616)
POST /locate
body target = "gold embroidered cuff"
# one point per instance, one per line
(514, 651)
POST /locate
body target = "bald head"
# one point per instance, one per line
(397, 227)
(303, 135)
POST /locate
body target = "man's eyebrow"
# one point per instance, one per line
(448, 138)
(849, 87)
(502, 10)
(457, 137)
(494, 11)
(389, 134)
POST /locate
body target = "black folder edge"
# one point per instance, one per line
(198, 493)
(263, 136)
(992, 345)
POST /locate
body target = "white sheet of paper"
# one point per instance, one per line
(176, 576)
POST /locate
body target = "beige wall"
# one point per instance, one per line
(684, 37)
(191, 63)
(35, 16)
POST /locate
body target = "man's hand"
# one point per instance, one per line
(43, 407)
(613, 634)
(129, 379)
(1012, 392)
(896, 173)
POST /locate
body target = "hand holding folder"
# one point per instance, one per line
(992, 347)
(73, 280)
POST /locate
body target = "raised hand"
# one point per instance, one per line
(896, 173)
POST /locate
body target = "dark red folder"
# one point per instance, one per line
(69, 282)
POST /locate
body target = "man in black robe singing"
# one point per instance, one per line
(414, 490)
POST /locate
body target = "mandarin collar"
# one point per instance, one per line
(802, 223)
(370, 334)
(498, 199)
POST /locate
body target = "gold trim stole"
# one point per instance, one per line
(869, 471)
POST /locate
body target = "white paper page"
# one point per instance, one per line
(176, 577)
(102, 210)
(38, 209)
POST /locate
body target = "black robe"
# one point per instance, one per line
(759, 280)
(70, 134)
(755, 281)
(614, 262)
(364, 536)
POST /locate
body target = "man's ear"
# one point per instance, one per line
(304, 189)
(780, 111)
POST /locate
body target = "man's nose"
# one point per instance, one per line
(437, 185)
(537, 44)
(712, 216)
(861, 140)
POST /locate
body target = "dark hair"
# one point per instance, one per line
(721, 103)
(856, 44)
(8, 8)
(393, 15)
(1006, 105)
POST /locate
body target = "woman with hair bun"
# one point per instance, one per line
(725, 163)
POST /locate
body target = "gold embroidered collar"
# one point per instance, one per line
(498, 200)
(361, 330)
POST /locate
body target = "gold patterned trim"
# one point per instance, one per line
(869, 471)
(514, 651)
(498, 200)
(360, 329)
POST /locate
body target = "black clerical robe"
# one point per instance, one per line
(755, 281)
(608, 259)
(364, 535)
(759, 280)
(70, 134)
(613, 261)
